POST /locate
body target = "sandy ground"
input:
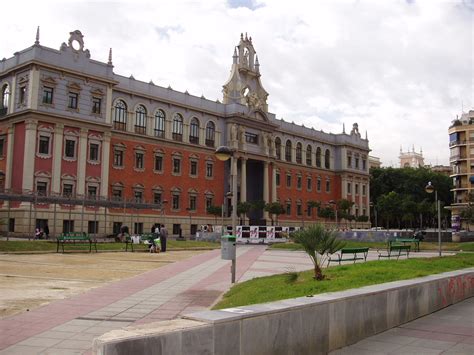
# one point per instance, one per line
(29, 281)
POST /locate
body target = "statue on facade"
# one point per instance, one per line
(355, 130)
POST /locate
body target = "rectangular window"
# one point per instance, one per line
(176, 166)
(298, 182)
(11, 225)
(277, 176)
(288, 208)
(363, 191)
(42, 188)
(328, 185)
(175, 202)
(176, 229)
(209, 202)
(251, 138)
(93, 227)
(70, 148)
(22, 95)
(118, 158)
(318, 185)
(48, 95)
(117, 194)
(96, 105)
(309, 210)
(363, 164)
(43, 146)
(72, 100)
(349, 188)
(68, 190)
(157, 197)
(209, 170)
(349, 161)
(158, 163)
(68, 226)
(288, 180)
(139, 160)
(116, 227)
(2, 147)
(93, 152)
(309, 183)
(357, 163)
(138, 228)
(356, 189)
(299, 212)
(192, 203)
(193, 170)
(138, 194)
(92, 192)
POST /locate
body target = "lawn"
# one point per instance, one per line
(380, 245)
(50, 246)
(278, 287)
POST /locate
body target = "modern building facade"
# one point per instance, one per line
(461, 145)
(71, 128)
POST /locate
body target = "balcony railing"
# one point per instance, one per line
(457, 142)
(120, 126)
(209, 142)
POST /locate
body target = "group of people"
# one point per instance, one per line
(160, 233)
(42, 233)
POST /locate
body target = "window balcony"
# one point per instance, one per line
(140, 129)
(210, 143)
(120, 126)
(193, 140)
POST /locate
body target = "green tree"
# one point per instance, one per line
(216, 211)
(243, 208)
(314, 205)
(274, 209)
(318, 242)
(389, 206)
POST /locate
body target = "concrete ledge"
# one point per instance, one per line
(304, 325)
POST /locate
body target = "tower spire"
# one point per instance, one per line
(110, 57)
(37, 41)
(257, 64)
(235, 56)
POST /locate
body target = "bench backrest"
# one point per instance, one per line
(74, 236)
(401, 240)
(354, 250)
(400, 247)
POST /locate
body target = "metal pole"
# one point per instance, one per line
(222, 217)
(105, 221)
(54, 220)
(82, 214)
(8, 221)
(376, 228)
(438, 206)
(29, 226)
(234, 209)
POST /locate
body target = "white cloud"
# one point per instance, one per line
(401, 69)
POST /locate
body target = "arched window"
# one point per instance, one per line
(210, 134)
(160, 124)
(194, 131)
(177, 127)
(299, 153)
(288, 150)
(120, 116)
(318, 157)
(140, 120)
(278, 148)
(327, 156)
(5, 99)
(309, 152)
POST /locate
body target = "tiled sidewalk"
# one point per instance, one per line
(448, 331)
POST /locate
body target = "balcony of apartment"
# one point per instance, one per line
(459, 170)
(457, 157)
(458, 142)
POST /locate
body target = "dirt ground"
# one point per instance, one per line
(28, 281)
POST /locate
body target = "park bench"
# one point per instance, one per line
(349, 254)
(405, 241)
(395, 250)
(75, 238)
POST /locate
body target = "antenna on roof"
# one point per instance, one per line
(37, 42)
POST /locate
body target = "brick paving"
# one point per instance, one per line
(69, 326)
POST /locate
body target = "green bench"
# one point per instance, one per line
(395, 251)
(405, 241)
(349, 254)
(76, 238)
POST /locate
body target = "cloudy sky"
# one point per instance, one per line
(402, 69)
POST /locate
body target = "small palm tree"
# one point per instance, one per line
(318, 242)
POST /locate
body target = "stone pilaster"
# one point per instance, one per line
(243, 182)
(33, 88)
(104, 174)
(9, 162)
(29, 155)
(81, 162)
(108, 105)
(57, 158)
(274, 183)
(265, 187)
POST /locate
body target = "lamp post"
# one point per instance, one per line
(332, 202)
(224, 153)
(375, 214)
(429, 189)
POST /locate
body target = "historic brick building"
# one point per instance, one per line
(71, 128)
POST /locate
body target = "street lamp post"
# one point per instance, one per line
(429, 189)
(332, 202)
(224, 153)
(375, 214)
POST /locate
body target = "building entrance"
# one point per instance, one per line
(255, 190)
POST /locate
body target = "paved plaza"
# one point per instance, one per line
(69, 326)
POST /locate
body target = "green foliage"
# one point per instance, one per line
(326, 212)
(243, 208)
(274, 208)
(317, 242)
(216, 211)
(339, 278)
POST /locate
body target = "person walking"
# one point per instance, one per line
(163, 237)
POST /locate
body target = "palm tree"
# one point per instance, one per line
(318, 242)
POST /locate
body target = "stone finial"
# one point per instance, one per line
(257, 64)
(246, 38)
(241, 36)
(235, 56)
(343, 128)
(110, 57)
(37, 41)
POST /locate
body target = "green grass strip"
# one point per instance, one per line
(283, 286)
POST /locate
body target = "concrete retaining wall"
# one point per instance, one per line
(305, 325)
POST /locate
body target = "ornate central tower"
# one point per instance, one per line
(244, 86)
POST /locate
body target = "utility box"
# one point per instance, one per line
(228, 247)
